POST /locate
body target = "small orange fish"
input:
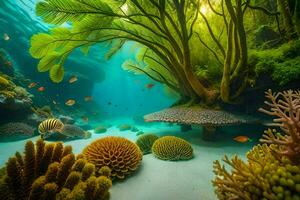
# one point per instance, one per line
(242, 139)
(70, 102)
(88, 98)
(32, 85)
(73, 79)
(149, 85)
(6, 37)
(41, 89)
(85, 119)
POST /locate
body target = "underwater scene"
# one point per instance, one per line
(150, 99)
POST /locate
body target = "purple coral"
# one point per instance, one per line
(14, 129)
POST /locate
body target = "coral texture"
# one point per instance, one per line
(120, 154)
(15, 129)
(50, 171)
(263, 176)
(172, 148)
(285, 107)
(145, 142)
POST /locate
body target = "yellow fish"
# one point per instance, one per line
(70, 102)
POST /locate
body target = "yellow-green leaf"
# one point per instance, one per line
(47, 62)
(57, 73)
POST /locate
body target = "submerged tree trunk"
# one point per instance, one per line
(287, 19)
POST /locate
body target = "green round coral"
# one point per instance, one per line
(145, 142)
(172, 148)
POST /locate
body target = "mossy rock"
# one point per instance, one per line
(145, 142)
(172, 148)
(124, 127)
(100, 129)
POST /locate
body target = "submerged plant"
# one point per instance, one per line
(169, 34)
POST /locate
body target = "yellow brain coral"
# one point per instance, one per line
(172, 148)
(120, 154)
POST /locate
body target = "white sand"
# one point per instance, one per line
(157, 179)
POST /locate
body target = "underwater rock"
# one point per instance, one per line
(145, 142)
(50, 171)
(139, 133)
(265, 34)
(44, 112)
(16, 131)
(100, 129)
(124, 127)
(66, 119)
(134, 129)
(121, 155)
(34, 119)
(208, 119)
(172, 148)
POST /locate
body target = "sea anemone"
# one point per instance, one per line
(119, 154)
(172, 148)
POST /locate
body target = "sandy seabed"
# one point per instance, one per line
(157, 179)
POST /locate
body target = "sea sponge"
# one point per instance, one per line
(120, 154)
(172, 148)
(145, 142)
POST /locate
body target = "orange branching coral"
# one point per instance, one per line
(261, 177)
(285, 106)
(120, 154)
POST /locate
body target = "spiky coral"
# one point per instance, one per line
(119, 154)
(145, 142)
(285, 107)
(172, 148)
(49, 172)
(262, 177)
(272, 170)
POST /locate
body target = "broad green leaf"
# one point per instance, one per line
(47, 62)
(57, 73)
(41, 44)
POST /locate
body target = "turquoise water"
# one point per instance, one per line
(118, 98)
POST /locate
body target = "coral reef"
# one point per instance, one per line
(145, 142)
(285, 107)
(208, 119)
(263, 176)
(120, 154)
(50, 171)
(172, 148)
(16, 130)
(13, 97)
(272, 170)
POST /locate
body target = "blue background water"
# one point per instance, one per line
(117, 92)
